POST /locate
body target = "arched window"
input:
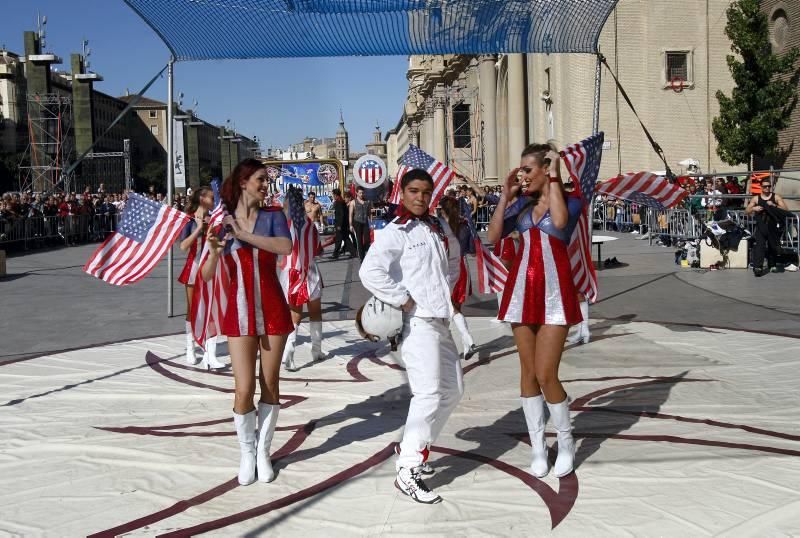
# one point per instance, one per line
(779, 30)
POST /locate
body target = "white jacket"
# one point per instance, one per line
(411, 260)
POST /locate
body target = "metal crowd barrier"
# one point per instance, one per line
(483, 216)
(689, 223)
(36, 232)
(617, 216)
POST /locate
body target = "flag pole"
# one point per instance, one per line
(170, 171)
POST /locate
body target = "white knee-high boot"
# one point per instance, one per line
(316, 340)
(246, 432)
(190, 356)
(267, 418)
(559, 413)
(581, 333)
(534, 417)
(585, 323)
(466, 338)
(210, 360)
(288, 352)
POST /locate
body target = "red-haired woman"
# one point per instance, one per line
(540, 299)
(257, 317)
(463, 286)
(191, 240)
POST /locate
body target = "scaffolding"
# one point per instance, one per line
(466, 159)
(101, 168)
(50, 144)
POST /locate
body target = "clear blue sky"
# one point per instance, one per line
(281, 101)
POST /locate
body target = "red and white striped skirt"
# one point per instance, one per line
(539, 289)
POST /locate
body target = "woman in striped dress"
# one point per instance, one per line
(463, 287)
(506, 248)
(192, 239)
(256, 318)
(300, 277)
(540, 299)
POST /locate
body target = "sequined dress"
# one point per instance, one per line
(540, 289)
(192, 264)
(463, 286)
(255, 302)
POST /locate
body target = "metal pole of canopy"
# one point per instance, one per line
(595, 129)
(596, 111)
(170, 170)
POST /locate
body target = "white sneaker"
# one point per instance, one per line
(791, 267)
(409, 482)
(635, 232)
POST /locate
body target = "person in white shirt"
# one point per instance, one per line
(411, 267)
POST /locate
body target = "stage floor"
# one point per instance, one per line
(681, 430)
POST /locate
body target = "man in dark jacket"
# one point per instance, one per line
(341, 221)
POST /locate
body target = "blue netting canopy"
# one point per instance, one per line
(227, 29)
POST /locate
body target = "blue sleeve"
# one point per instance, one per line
(511, 213)
(272, 224)
(574, 208)
(187, 230)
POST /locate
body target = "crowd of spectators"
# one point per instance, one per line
(477, 202)
(65, 217)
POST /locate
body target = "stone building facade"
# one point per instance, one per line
(478, 113)
(92, 113)
(784, 27)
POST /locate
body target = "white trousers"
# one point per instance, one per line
(437, 383)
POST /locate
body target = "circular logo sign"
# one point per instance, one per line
(327, 173)
(369, 171)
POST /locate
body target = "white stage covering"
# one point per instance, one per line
(681, 430)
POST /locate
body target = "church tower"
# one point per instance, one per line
(342, 141)
(377, 146)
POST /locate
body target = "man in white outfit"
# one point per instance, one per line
(410, 267)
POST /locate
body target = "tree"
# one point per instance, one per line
(765, 91)
(9, 172)
(207, 173)
(154, 173)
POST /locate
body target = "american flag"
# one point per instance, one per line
(370, 171)
(644, 188)
(145, 233)
(416, 158)
(305, 247)
(492, 274)
(209, 299)
(583, 164)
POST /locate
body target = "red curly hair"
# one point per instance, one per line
(231, 189)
